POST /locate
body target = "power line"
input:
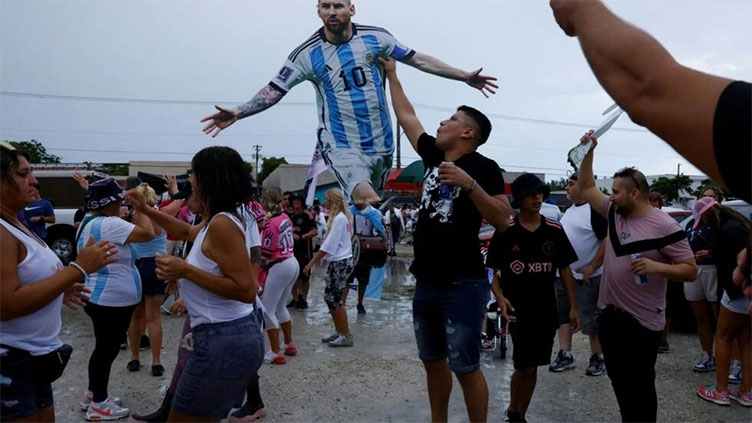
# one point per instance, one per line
(283, 138)
(157, 134)
(45, 96)
(82, 150)
(293, 104)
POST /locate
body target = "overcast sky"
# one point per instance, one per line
(114, 81)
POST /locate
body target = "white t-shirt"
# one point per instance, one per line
(118, 284)
(398, 213)
(578, 225)
(338, 242)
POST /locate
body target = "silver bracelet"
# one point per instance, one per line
(78, 266)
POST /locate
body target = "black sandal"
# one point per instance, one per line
(134, 365)
(157, 370)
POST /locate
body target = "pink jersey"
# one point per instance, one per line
(646, 302)
(257, 210)
(276, 238)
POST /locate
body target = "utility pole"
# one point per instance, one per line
(256, 155)
(678, 165)
(399, 145)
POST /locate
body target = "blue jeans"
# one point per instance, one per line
(448, 321)
(21, 393)
(224, 359)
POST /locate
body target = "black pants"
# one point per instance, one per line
(110, 323)
(630, 350)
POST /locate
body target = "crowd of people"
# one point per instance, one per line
(603, 266)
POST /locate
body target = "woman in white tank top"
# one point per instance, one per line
(218, 286)
(33, 286)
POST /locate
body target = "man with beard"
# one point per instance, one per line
(341, 60)
(645, 248)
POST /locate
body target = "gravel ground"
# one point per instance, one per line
(381, 378)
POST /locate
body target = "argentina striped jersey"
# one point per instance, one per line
(349, 82)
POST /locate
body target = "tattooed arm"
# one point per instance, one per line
(224, 117)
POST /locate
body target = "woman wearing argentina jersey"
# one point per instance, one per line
(115, 290)
(341, 60)
(33, 286)
(218, 285)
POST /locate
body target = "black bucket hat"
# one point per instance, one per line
(184, 193)
(103, 193)
(527, 184)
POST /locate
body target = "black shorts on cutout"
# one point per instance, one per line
(732, 138)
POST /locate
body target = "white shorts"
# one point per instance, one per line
(351, 167)
(705, 287)
(739, 305)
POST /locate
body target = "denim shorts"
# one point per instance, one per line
(20, 395)
(448, 321)
(151, 285)
(224, 359)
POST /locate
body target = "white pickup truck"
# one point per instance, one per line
(61, 235)
(66, 196)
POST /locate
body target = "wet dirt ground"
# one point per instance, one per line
(381, 378)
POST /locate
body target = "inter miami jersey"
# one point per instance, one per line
(528, 262)
(349, 81)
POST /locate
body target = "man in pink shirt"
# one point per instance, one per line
(645, 248)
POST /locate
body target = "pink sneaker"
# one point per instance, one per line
(273, 358)
(743, 398)
(710, 393)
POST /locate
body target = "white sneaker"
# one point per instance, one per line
(89, 397)
(342, 341)
(106, 410)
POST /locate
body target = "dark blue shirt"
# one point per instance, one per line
(38, 208)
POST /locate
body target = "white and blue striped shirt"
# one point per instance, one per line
(349, 81)
(118, 284)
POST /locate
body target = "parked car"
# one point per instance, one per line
(678, 214)
(61, 235)
(741, 206)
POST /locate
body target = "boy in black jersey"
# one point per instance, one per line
(525, 258)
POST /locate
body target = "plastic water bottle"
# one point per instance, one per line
(445, 190)
(639, 279)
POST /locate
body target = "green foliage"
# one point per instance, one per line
(268, 164)
(36, 151)
(248, 168)
(669, 187)
(116, 169)
(558, 185)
